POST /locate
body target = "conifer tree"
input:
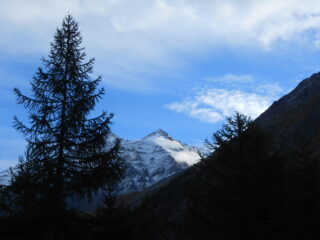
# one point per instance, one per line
(239, 186)
(68, 147)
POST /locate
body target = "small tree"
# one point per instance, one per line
(22, 206)
(67, 147)
(232, 130)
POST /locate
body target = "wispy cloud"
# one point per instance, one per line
(131, 37)
(231, 78)
(210, 104)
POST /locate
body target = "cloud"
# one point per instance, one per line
(231, 78)
(210, 104)
(269, 89)
(194, 109)
(167, 22)
(134, 37)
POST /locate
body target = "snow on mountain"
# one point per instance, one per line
(153, 158)
(4, 177)
(149, 160)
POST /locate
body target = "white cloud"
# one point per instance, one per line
(211, 104)
(130, 37)
(193, 109)
(270, 89)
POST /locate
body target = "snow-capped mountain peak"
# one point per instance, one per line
(153, 158)
(158, 133)
(149, 160)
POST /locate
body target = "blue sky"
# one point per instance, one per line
(179, 65)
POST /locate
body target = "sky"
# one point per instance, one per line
(179, 65)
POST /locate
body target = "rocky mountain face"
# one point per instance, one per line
(151, 162)
(153, 158)
(296, 115)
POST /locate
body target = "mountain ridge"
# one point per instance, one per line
(154, 157)
(296, 114)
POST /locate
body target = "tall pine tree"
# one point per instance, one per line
(67, 147)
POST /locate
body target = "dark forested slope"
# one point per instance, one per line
(261, 184)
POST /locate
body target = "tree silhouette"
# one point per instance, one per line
(69, 148)
(239, 185)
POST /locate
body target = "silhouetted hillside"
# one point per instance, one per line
(270, 193)
(296, 114)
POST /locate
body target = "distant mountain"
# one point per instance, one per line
(4, 177)
(294, 116)
(153, 158)
(151, 162)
